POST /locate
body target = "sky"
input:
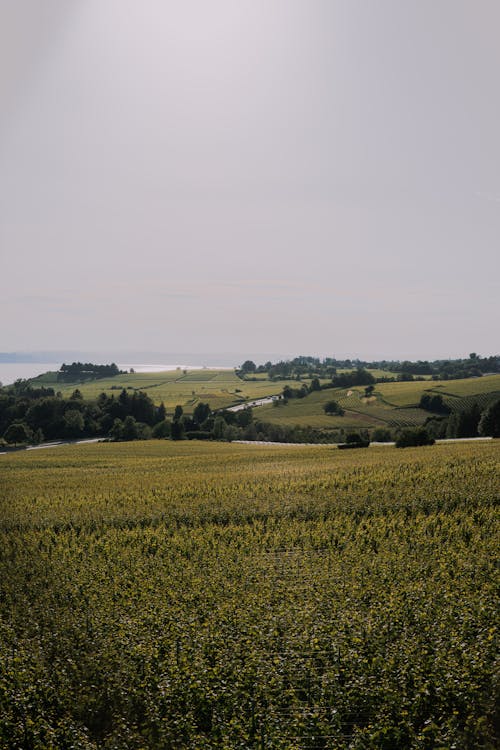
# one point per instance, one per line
(315, 177)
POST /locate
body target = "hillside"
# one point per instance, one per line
(391, 404)
(218, 388)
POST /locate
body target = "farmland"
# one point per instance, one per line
(391, 404)
(219, 388)
(190, 595)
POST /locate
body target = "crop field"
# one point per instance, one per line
(181, 596)
(219, 388)
(360, 412)
(308, 412)
(408, 394)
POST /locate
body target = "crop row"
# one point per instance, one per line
(218, 596)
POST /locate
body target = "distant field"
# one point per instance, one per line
(359, 412)
(392, 404)
(219, 388)
(194, 596)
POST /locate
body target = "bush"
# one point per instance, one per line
(161, 430)
(382, 435)
(333, 407)
(411, 437)
(199, 435)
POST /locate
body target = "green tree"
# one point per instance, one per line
(248, 366)
(73, 423)
(489, 424)
(177, 430)
(315, 385)
(161, 413)
(161, 430)
(178, 412)
(244, 417)
(130, 429)
(333, 407)
(411, 437)
(219, 427)
(116, 431)
(201, 413)
(17, 432)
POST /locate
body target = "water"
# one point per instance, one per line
(11, 371)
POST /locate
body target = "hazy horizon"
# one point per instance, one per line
(316, 178)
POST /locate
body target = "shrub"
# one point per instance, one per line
(382, 435)
(333, 407)
(413, 437)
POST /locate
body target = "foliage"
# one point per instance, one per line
(17, 432)
(333, 407)
(79, 371)
(434, 402)
(382, 435)
(413, 437)
(464, 423)
(490, 420)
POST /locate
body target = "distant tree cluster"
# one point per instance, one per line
(45, 415)
(78, 372)
(434, 402)
(303, 367)
(413, 436)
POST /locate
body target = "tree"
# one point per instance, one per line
(244, 417)
(161, 430)
(161, 413)
(369, 390)
(464, 423)
(489, 424)
(177, 429)
(73, 423)
(381, 435)
(201, 413)
(219, 427)
(116, 431)
(130, 429)
(315, 385)
(178, 412)
(333, 407)
(17, 432)
(38, 437)
(411, 437)
(434, 402)
(248, 366)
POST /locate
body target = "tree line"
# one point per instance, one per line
(309, 367)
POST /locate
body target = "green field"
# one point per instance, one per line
(392, 404)
(219, 388)
(189, 596)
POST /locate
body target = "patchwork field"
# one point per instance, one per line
(219, 388)
(189, 595)
(391, 405)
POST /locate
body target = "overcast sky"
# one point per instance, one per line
(305, 176)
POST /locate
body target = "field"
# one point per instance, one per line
(187, 595)
(392, 404)
(219, 388)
